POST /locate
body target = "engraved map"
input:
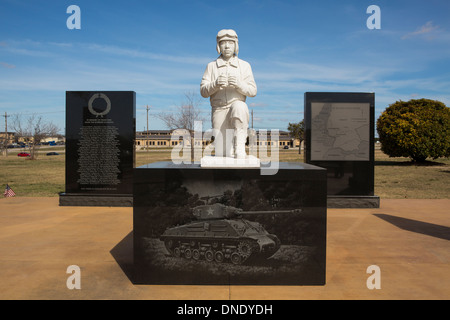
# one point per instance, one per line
(340, 131)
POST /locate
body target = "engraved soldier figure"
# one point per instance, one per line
(228, 81)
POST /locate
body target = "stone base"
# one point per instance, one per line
(353, 202)
(81, 200)
(289, 205)
(228, 162)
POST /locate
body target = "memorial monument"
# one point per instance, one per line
(229, 220)
(100, 153)
(340, 137)
(228, 81)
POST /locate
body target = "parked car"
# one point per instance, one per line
(53, 154)
(286, 147)
(23, 154)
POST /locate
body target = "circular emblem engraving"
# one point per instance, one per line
(99, 96)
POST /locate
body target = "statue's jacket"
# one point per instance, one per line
(223, 97)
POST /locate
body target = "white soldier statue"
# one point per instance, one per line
(228, 81)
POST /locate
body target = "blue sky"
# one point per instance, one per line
(160, 49)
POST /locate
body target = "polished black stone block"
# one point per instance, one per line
(239, 250)
(339, 136)
(100, 153)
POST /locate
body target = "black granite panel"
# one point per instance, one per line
(290, 206)
(100, 135)
(340, 137)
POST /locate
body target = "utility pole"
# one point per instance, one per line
(5, 144)
(147, 140)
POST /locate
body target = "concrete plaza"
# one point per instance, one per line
(409, 240)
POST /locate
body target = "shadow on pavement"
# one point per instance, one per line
(426, 228)
(123, 254)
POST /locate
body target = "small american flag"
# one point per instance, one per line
(9, 192)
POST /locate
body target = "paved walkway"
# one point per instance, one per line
(409, 240)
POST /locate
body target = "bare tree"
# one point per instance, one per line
(186, 114)
(33, 130)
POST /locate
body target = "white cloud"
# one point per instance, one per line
(160, 79)
(7, 65)
(257, 105)
(344, 74)
(429, 30)
(133, 53)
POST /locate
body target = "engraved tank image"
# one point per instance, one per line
(221, 234)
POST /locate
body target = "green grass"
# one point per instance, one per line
(395, 178)
(399, 178)
(43, 177)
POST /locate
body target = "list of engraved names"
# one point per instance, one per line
(98, 155)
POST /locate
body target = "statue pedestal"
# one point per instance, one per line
(290, 206)
(228, 162)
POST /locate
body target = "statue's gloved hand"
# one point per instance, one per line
(222, 81)
(234, 82)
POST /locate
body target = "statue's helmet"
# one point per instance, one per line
(227, 34)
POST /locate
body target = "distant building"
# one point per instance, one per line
(284, 139)
(14, 139)
(153, 138)
(58, 139)
(162, 138)
(7, 137)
